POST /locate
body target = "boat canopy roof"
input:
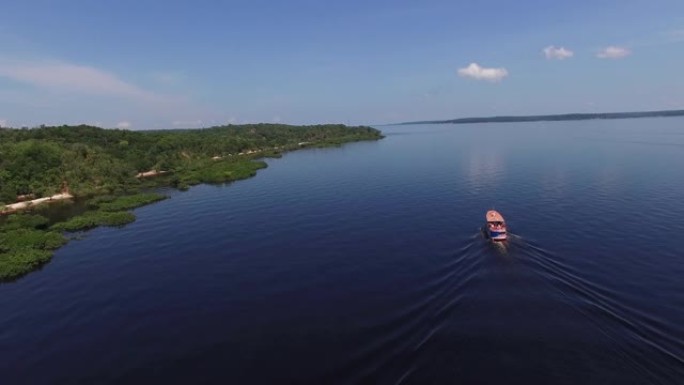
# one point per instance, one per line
(494, 216)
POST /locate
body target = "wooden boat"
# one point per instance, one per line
(496, 226)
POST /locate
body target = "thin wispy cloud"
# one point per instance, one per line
(676, 36)
(558, 53)
(168, 78)
(4, 123)
(56, 90)
(613, 52)
(73, 78)
(475, 71)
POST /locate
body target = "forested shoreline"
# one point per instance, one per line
(111, 168)
(557, 117)
(91, 161)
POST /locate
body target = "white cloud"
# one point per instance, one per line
(613, 52)
(123, 125)
(474, 71)
(559, 53)
(71, 77)
(4, 123)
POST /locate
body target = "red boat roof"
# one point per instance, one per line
(494, 216)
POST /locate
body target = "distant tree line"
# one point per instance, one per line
(560, 117)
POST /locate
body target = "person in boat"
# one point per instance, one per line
(496, 226)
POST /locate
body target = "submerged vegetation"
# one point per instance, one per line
(113, 166)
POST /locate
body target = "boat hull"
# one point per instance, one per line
(495, 235)
(496, 226)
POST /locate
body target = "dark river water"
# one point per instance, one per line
(366, 265)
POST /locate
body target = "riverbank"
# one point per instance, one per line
(28, 239)
(94, 161)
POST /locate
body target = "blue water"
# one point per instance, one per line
(366, 264)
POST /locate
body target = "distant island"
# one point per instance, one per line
(111, 171)
(555, 118)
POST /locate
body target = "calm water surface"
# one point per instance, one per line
(365, 264)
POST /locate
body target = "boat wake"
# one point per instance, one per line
(402, 339)
(484, 300)
(644, 343)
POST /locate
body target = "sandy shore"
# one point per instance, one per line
(151, 173)
(14, 207)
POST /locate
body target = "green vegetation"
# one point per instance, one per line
(26, 244)
(20, 262)
(30, 238)
(95, 161)
(26, 221)
(108, 210)
(126, 202)
(217, 171)
(92, 219)
(104, 165)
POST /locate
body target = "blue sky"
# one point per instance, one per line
(162, 64)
